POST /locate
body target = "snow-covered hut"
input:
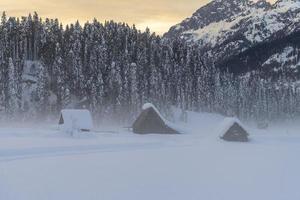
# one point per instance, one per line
(151, 121)
(76, 119)
(232, 129)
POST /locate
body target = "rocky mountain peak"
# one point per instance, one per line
(215, 11)
(224, 29)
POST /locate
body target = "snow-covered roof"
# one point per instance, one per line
(77, 119)
(167, 122)
(227, 123)
(150, 105)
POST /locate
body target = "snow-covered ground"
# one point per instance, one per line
(43, 164)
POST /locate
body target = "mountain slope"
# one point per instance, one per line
(226, 28)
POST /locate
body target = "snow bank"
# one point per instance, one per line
(35, 166)
(198, 124)
(130, 167)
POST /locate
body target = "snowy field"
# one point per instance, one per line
(45, 164)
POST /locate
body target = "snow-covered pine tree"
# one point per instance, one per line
(57, 79)
(42, 92)
(66, 98)
(13, 101)
(116, 67)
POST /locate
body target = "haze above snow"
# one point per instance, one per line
(44, 163)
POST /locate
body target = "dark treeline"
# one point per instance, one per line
(112, 69)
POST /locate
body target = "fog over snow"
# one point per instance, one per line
(45, 163)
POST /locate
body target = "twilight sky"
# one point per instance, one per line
(158, 15)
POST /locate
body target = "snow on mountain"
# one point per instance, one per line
(215, 11)
(225, 28)
(286, 58)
